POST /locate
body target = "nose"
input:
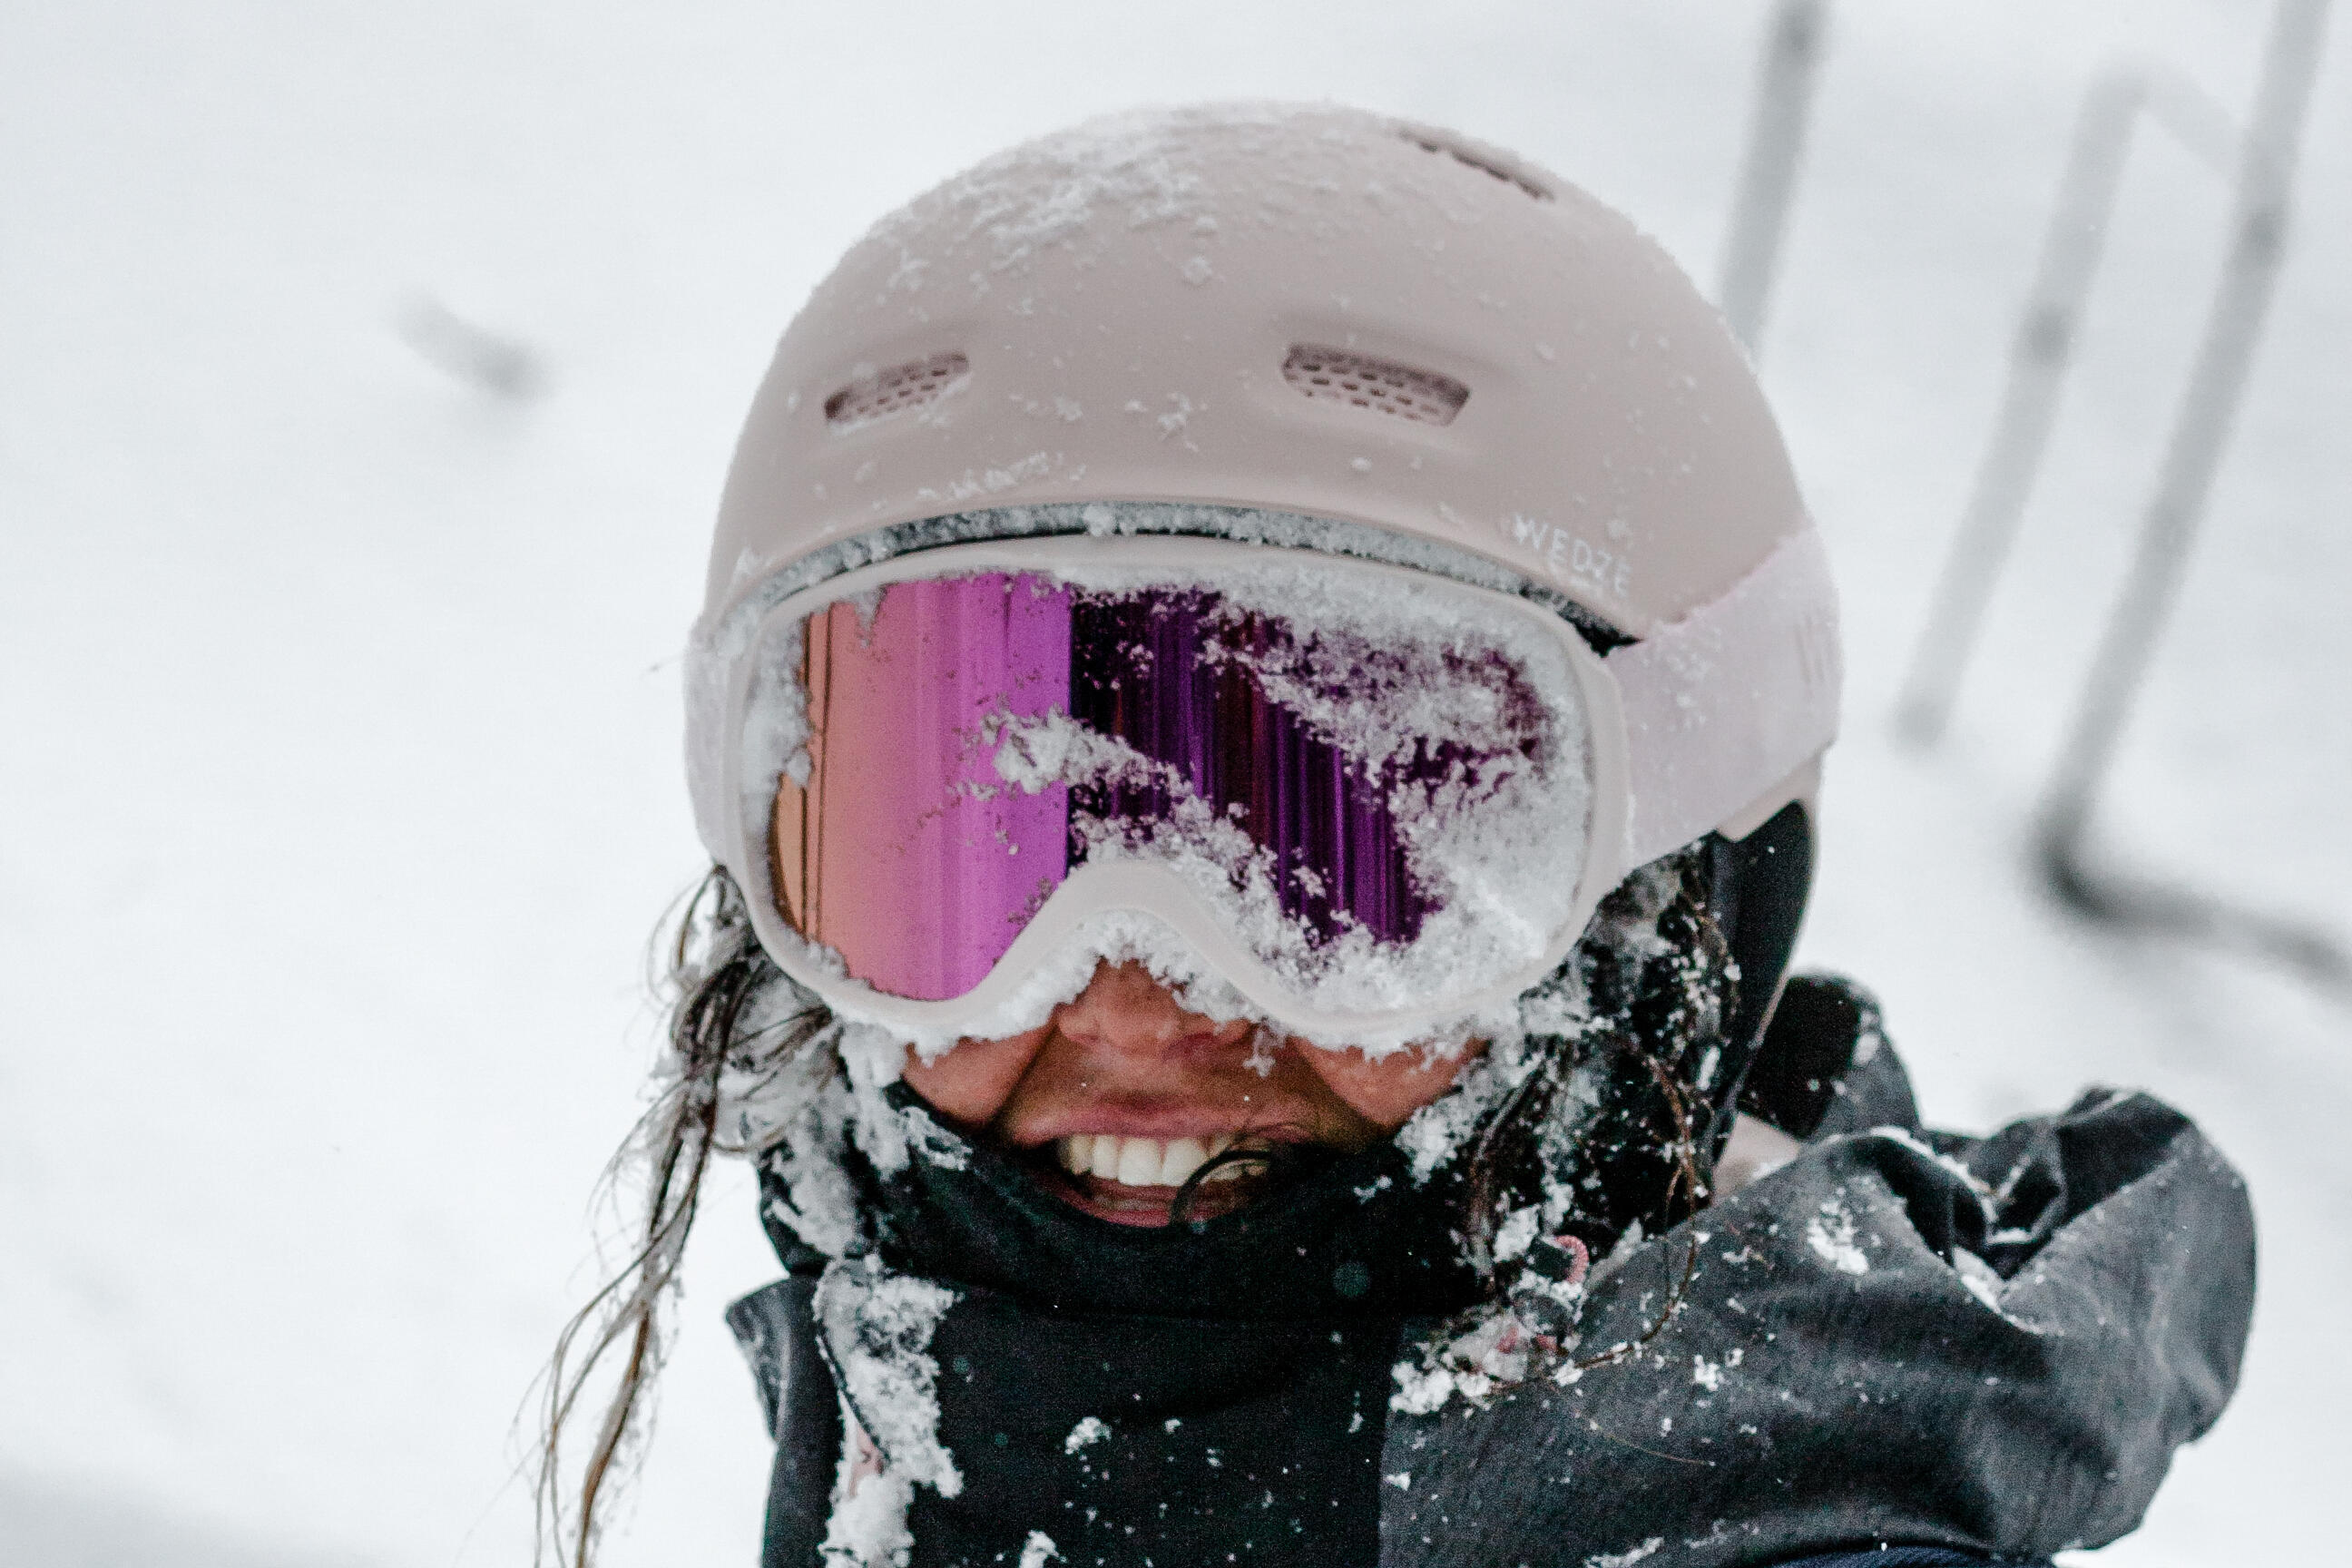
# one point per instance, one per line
(1125, 1011)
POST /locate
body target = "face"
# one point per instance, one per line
(1122, 1095)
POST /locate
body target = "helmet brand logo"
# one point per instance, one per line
(1570, 559)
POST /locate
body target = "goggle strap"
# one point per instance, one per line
(1730, 700)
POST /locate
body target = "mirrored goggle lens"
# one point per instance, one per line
(972, 742)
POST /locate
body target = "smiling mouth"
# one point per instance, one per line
(1137, 1181)
(1145, 1161)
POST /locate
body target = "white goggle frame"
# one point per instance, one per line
(1711, 724)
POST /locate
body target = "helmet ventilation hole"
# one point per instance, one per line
(1423, 396)
(895, 390)
(1483, 163)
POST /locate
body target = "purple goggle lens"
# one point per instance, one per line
(975, 741)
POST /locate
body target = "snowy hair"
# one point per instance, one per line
(721, 988)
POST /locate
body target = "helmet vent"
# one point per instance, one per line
(895, 390)
(1423, 396)
(1479, 162)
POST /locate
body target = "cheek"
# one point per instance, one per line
(971, 1084)
(1387, 1090)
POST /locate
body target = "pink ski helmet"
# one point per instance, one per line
(1190, 343)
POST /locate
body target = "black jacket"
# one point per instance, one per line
(1989, 1345)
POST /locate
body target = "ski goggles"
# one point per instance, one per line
(1372, 800)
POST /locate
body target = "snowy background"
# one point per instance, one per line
(338, 694)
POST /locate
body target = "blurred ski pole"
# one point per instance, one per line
(2040, 357)
(2216, 385)
(1767, 175)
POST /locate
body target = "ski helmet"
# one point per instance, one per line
(1302, 329)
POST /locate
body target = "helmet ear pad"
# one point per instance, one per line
(1759, 885)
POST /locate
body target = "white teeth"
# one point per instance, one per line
(1103, 1159)
(1138, 1161)
(1144, 1162)
(1184, 1156)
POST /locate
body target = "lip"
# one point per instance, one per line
(1149, 1208)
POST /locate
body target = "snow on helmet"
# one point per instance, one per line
(1308, 328)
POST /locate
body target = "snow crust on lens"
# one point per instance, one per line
(1377, 668)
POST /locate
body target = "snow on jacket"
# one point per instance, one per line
(1989, 1346)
